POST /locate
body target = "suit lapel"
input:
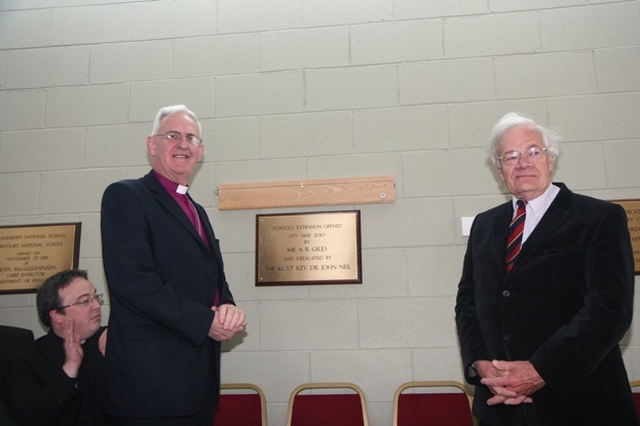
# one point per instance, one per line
(208, 229)
(165, 200)
(500, 234)
(556, 216)
(51, 347)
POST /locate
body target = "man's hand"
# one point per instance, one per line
(227, 322)
(512, 382)
(73, 351)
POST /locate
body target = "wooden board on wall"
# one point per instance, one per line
(315, 192)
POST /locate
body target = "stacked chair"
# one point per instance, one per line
(432, 403)
(241, 404)
(322, 404)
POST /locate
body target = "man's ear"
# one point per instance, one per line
(56, 317)
(151, 145)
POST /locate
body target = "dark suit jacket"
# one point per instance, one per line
(565, 306)
(12, 339)
(162, 282)
(38, 391)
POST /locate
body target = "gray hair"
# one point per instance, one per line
(513, 119)
(173, 109)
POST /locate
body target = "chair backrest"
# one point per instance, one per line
(635, 388)
(322, 404)
(432, 403)
(241, 404)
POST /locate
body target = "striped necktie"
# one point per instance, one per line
(514, 243)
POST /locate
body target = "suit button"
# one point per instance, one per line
(507, 338)
(506, 293)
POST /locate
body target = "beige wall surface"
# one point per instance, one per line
(311, 89)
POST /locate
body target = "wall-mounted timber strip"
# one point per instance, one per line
(302, 193)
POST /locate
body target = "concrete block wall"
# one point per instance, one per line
(307, 89)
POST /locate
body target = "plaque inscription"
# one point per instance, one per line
(30, 254)
(308, 248)
(632, 208)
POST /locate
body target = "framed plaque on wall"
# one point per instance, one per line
(308, 248)
(29, 254)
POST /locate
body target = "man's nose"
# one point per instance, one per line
(524, 161)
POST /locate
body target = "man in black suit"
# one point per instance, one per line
(170, 302)
(541, 342)
(11, 340)
(59, 378)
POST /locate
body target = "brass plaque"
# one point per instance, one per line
(30, 254)
(632, 207)
(308, 248)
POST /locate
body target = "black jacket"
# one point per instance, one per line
(564, 307)
(38, 392)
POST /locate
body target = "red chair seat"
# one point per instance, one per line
(241, 404)
(636, 399)
(323, 410)
(434, 409)
(327, 404)
(432, 403)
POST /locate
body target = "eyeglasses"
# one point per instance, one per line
(175, 137)
(85, 301)
(533, 153)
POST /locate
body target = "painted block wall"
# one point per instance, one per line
(308, 89)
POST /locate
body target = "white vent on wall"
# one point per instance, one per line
(466, 225)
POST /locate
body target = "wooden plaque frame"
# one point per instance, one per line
(308, 248)
(31, 253)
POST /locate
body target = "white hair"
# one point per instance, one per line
(513, 119)
(173, 109)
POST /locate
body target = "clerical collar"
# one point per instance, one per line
(170, 185)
